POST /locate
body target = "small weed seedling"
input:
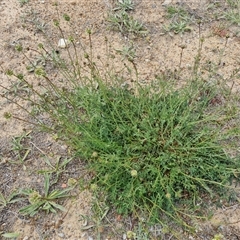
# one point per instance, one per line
(32, 17)
(10, 235)
(233, 14)
(233, 3)
(98, 221)
(177, 27)
(127, 52)
(46, 202)
(12, 198)
(57, 168)
(23, 2)
(177, 13)
(179, 20)
(124, 5)
(121, 21)
(19, 147)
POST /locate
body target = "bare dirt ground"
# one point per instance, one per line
(156, 52)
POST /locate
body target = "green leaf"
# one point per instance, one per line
(26, 192)
(59, 194)
(12, 197)
(46, 184)
(47, 207)
(3, 201)
(58, 206)
(10, 235)
(48, 162)
(65, 162)
(31, 209)
(16, 200)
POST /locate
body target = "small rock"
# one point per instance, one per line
(166, 2)
(83, 235)
(26, 238)
(63, 43)
(61, 235)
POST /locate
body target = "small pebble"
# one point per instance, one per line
(166, 2)
(61, 235)
(63, 43)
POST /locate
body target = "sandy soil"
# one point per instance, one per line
(157, 52)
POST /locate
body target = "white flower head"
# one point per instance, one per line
(134, 173)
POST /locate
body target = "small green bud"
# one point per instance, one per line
(19, 48)
(71, 39)
(93, 187)
(94, 155)
(40, 45)
(7, 115)
(131, 235)
(56, 22)
(40, 72)
(30, 68)
(71, 182)
(178, 194)
(218, 237)
(66, 17)
(168, 196)
(89, 31)
(34, 197)
(9, 72)
(86, 55)
(20, 76)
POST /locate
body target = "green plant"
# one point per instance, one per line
(98, 219)
(18, 146)
(9, 235)
(141, 232)
(127, 52)
(233, 14)
(218, 237)
(12, 198)
(17, 88)
(233, 3)
(46, 202)
(154, 150)
(177, 27)
(177, 13)
(123, 22)
(57, 168)
(124, 5)
(23, 2)
(32, 16)
(120, 20)
(179, 20)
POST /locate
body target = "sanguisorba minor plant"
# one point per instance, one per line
(154, 150)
